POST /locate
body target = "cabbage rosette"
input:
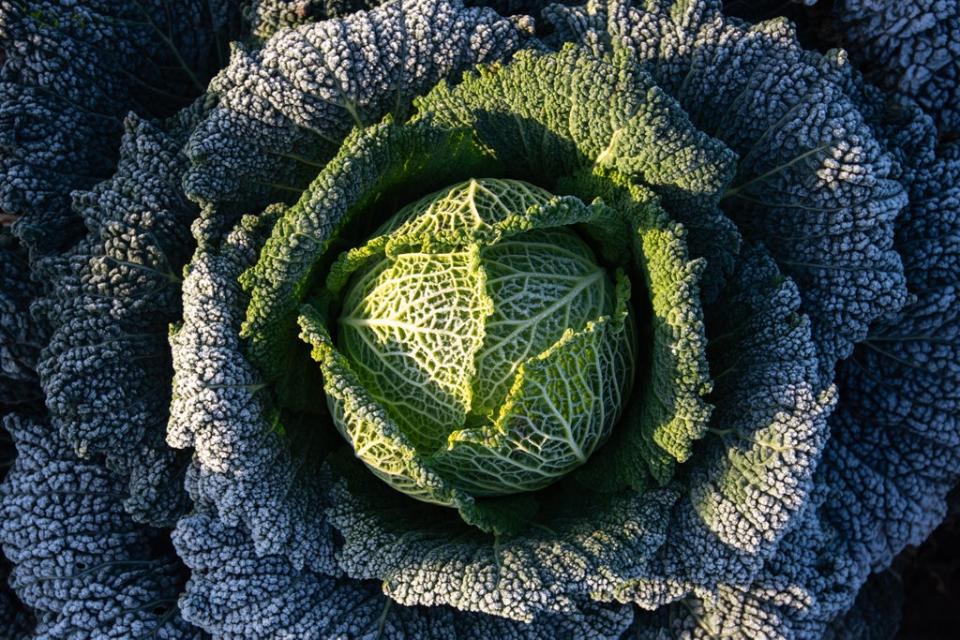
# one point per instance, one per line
(639, 429)
(633, 321)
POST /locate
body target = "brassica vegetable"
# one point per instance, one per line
(482, 335)
(424, 321)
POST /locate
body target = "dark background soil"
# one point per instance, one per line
(931, 580)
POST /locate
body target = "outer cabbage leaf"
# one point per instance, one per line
(229, 574)
(80, 562)
(284, 108)
(815, 23)
(71, 73)
(266, 17)
(19, 390)
(106, 370)
(911, 48)
(896, 446)
(242, 464)
(793, 596)
(812, 182)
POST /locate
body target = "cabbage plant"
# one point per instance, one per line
(431, 321)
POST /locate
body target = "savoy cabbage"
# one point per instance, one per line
(515, 319)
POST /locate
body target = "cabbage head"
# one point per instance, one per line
(484, 336)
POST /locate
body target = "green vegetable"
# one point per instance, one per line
(487, 335)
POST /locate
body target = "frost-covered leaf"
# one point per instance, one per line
(106, 369)
(283, 109)
(911, 48)
(812, 182)
(82, 564)
(71, 73)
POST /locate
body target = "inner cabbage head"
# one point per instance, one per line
(489, 334)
